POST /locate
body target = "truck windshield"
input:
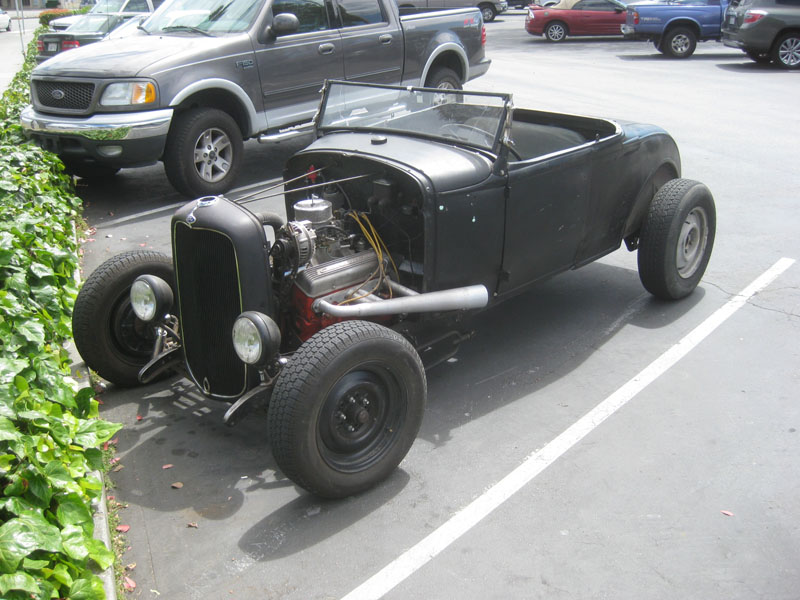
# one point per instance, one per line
(206, 17)
(475, 119)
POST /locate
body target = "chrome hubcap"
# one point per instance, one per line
(680, 44)
(213, 154)
(692, 242)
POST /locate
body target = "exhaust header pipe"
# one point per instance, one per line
(463, 298)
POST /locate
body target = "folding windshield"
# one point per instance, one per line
(476, 119)
(204, 17)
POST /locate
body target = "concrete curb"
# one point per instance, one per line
(80, 379)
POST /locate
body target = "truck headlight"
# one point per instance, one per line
(151, 297)
(256, 338)
(128, 93)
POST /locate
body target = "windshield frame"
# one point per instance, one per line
(499, 135)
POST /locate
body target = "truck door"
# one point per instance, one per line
(293, 67)
(373, 44)
(545, 214)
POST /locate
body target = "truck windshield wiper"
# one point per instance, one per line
(142, 28)
(187, 28)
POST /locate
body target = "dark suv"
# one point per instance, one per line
(767, 30)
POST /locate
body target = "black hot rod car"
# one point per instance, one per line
(412, 209)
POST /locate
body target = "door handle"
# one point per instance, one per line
(326, 48)
(386, 38)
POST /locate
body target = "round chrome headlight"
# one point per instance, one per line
(256, 338)
(143, 300)
(151, 297)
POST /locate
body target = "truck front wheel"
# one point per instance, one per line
(346, 408)
(679, 42)
(204, 151)
(676, 239)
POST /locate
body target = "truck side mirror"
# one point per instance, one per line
(284, 24)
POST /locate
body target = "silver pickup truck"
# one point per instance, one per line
(200, 77)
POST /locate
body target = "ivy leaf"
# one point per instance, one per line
(99, 553)
(10, 368)
(8, 431)
(87, 589)
(72, 510)
(23, 535)
(18, 581)
(74, 542)
(93, 433)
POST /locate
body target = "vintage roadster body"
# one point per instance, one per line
(412, 210)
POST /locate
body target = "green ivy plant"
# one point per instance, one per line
(49, 433)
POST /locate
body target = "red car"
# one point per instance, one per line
(575, 17)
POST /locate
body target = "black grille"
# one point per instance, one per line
(209, 302)
(69, 95)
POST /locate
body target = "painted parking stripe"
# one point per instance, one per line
(464, 520)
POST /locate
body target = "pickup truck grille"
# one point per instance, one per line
(209, 301)
(67, 95)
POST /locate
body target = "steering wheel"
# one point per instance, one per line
(467, 133)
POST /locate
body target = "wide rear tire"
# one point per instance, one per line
(112, 341)
(676, 239)
(346, 408)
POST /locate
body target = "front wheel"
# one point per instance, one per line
(676, 239)
(108, 335)
(679, 42)
(786, 51)
(555, 32)
(204, 151)
(347, 408)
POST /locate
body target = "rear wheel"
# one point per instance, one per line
(488, 11)
(347, 408)
(204, 151)
(679, 42)
(555, 31)
(676, 239)
(109, 337)
(786, 51)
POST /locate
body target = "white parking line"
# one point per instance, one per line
(464, 520)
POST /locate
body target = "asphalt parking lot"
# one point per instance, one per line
(590, 442)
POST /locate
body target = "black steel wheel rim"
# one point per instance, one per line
(360, 419)
(131, 337)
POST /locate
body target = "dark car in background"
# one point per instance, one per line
(575, 17)
(766, 30)
(108, 7)
(86, 30)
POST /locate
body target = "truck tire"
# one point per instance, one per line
(786, 51)
(676, 239)
(112, 341)
(556, 31)
(488, 11)
(204, 151)
(679, 42)
(346, 408)
(443, 79)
